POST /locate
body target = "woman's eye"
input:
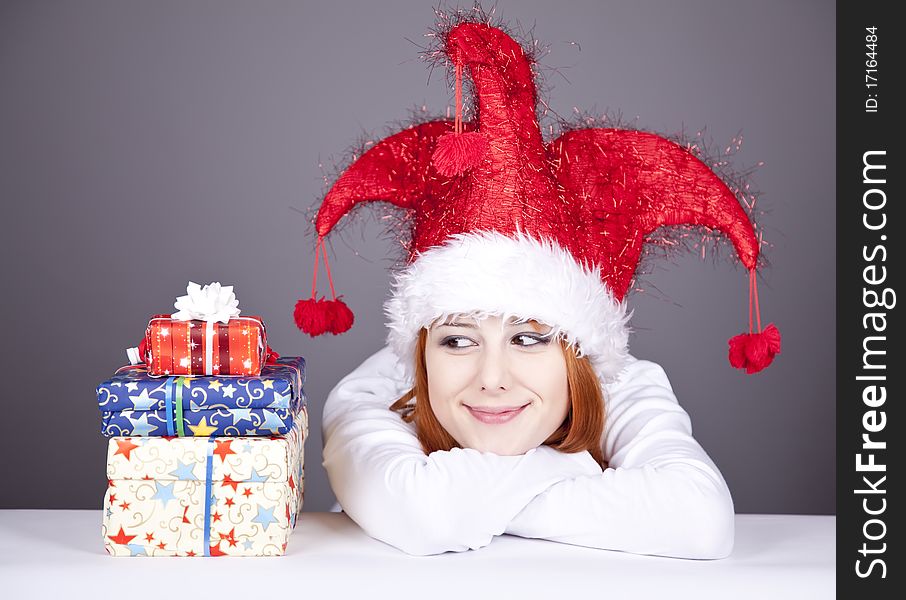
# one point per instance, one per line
(529, 340)
(455, 341)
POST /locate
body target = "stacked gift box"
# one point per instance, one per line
(205, 456)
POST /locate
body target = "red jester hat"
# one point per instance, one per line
(503, 223)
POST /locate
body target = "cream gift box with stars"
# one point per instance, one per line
(192, 496)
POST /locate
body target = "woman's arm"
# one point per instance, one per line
(456, 500)
(662, 493)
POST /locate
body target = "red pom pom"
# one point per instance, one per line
(341, 317)
(755, 351)
(458, 152)
(316, 317)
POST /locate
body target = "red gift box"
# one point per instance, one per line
(174, 347)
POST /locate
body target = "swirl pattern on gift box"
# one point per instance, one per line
(135, 403)
(203, 497)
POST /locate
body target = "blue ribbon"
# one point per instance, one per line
(209, 469)
(169, 388)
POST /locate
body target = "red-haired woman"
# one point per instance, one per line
(506, 400)
(475, 422)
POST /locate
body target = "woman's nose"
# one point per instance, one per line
(494, 373)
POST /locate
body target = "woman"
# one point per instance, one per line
(532, 243)
(660, 494)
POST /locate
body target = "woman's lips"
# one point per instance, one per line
(495, 415)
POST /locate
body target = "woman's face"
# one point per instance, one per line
(496, 387)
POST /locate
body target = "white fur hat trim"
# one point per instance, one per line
(488, 273)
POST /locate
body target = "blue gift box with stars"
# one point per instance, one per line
(134, 403)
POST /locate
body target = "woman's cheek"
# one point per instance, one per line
(442, 378)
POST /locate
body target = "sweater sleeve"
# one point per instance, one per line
(661, 494)
(424, 504)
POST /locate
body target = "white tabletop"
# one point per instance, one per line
(43, 553)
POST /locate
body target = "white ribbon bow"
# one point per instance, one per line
(212, 302)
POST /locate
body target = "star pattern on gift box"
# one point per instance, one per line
(140, 426)
(256, 477)
(184, 471)
(229, 537)
(121, 537)
(240, 402)
(271, 422)
(202, 429)
(265, 516)
(260, 509)
(241, 414)
(163, 492)
(280, 400)
(216, 551)
(223, 449)
(142, 401)
(125, 447)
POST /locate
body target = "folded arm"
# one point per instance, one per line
(662, 493)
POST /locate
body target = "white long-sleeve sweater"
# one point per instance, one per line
(661, 493)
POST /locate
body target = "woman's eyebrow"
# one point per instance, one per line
(538, 327)
(469, 325)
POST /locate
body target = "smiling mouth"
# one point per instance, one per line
(495, 415)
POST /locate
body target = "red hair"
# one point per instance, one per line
(581, 430)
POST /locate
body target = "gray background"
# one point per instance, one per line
(146, 144)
